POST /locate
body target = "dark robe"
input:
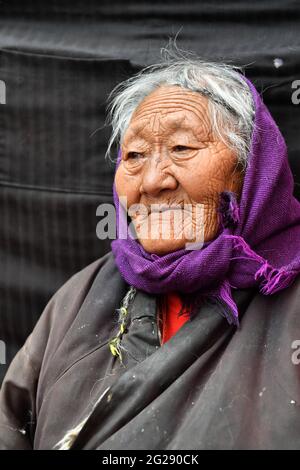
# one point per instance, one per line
(211, 386)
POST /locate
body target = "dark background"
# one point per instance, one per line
(59, 61)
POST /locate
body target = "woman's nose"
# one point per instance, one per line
(155, 178)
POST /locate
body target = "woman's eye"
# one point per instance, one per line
(180, 148)
(134, 155)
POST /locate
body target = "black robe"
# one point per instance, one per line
(211, 386)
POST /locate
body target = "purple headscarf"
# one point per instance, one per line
(258, 242)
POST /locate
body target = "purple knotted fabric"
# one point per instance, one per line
(258, 242)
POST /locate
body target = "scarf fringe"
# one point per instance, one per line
(270, 280)
(228, 306)
(274, 279)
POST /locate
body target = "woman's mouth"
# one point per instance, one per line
(163, 208)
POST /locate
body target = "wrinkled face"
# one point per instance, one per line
(173, 169)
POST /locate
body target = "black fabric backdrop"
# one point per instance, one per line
(59, 60)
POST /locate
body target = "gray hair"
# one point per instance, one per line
(231, 107)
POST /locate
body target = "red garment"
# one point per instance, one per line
(171, 322)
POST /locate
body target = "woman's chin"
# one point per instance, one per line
(162, 247)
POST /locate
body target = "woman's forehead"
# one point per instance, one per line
(149, 129)
(166, 99)
(161, 116)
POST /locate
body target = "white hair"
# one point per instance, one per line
(230, 103)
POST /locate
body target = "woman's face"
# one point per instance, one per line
(171, 158)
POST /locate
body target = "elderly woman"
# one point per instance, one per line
(185, 335)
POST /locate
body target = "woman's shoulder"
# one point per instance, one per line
(65, 304)
(67, 300)
(85, 276)
(279, 308)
